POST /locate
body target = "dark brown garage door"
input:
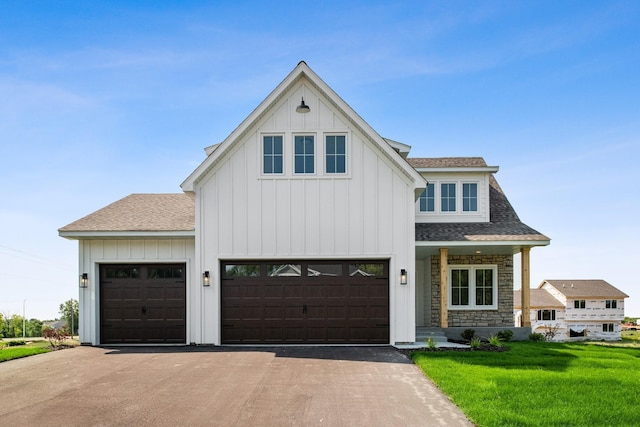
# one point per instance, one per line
(143, 304)
(305, 302)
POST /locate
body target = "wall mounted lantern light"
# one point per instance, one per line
(84, 280)
(206, 279)
(403, 277)
(302, 108)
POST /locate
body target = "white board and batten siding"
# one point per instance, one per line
(366, 213)
(93, 253)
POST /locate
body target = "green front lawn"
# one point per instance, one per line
(535, 384)
(36, 347)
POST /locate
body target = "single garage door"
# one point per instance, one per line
(143, 304)
(305, 302)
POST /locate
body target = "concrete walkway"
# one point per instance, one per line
(217, 386)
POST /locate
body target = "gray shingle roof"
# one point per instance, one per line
(594, 288)
(538, 298)
(447, 162)
(503, 225)
(141, 212)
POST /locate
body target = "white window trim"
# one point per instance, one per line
(284, 155)
(462, 211)
(315, 154)
(472, 287)
(347, 160)
(437, 194)
(435, 200)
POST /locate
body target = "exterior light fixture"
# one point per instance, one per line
(84, 280)
(403, 277)
(206, 279)
(302, 108)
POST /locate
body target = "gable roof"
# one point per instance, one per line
(593, 288)
(300, 72)
(504, 223)
(538, 298)
(158, 214)
(427, 163)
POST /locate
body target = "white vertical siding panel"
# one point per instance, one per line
(224, 187)
(283, 217)
(312, 217)
(326, 117)
(268, 219)
(110, 249)
(124, 249)
(326, 217)
(281, 117)
(341, 216)
(356, 199)
(369, 170)
(164, 250)
(137, 249)
(297, 217)
(151, 248)
(239, 202)
(385, 208)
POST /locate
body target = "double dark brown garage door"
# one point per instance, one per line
(305, 302)
(143, 304)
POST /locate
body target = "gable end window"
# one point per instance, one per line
(473, 287)
(579, 303)
(427, 199)
(470, 197)
(335, 154)
(272, 154)
(304, 157)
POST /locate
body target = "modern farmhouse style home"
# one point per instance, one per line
(304, 226)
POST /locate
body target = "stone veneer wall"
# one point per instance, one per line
(503, 316)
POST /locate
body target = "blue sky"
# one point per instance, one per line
(103, 99)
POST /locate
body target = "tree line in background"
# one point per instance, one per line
(16, 326)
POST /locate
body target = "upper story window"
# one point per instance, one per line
(304, 156)
(546, 315)
(335, 154)
(427, 199)
(579, 303)
(473, 287)
(611, 303)
(448, 197)
(470, 197)
(272, 154)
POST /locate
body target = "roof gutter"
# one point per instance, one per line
(88, 235)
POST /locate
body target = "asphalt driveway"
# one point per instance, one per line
(218, 386)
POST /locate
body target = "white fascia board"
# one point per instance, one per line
(484, 169)
(84, 235)
(442, 244)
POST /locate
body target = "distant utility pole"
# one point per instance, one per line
(24, 320)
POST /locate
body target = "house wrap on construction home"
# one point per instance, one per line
(303, 226)
(574, 309)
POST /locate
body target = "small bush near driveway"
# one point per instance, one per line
(540, 383)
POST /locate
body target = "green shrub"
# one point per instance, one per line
(505, 335)
(475, 343)
(468, 334)
(536, 337)
(431, 343)
(15, 343)
(495, 340)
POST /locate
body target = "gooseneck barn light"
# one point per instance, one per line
(302, 108)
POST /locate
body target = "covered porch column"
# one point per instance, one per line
(525, 287)
(444, 288)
